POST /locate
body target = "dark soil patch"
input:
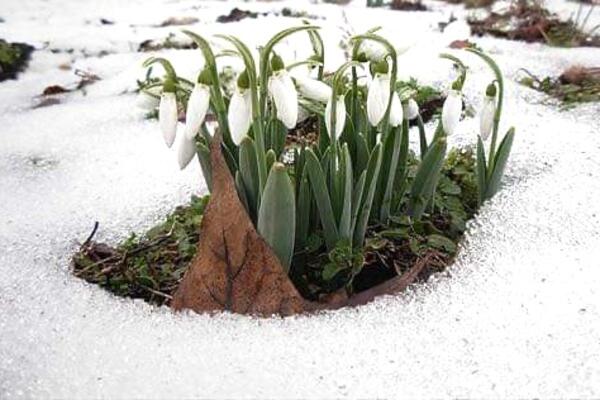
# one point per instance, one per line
(13, 59)
(408, 5)
(530, 22)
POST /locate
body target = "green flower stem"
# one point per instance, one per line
(422, 137)
(500, 82)
(168, 67)
(265, 54)
(393, 55)
(217, 100)
(257, 126)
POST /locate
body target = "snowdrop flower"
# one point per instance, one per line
(167, 113)
(378, 98)
(396, 112)
(313, 89)
(411, 109)
(488, 111)
(197, 106)
(186, 150)
(340, 116)
(369, 50)
(282, 90)
(239, 115)
(451, 111)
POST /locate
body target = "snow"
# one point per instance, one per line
(517, 315)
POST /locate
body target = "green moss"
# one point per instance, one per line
(13, 58)
(568, 93)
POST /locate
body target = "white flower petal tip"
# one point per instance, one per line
(378, 98)
(239, 115)
(340, 116)
(186, 151)
(486, 117)
(167, 117)
(197, 108)
(451, 112)
(285, 96)
(396, 112)
(411, 110)
(313, 89)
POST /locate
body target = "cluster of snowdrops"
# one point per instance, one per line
(356, 173)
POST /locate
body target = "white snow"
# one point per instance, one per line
(517, 315)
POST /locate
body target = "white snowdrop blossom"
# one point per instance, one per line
(373, 51)
(167, 117)
(239, 115)
(186, 150)
(396, 112)
(486, 117)
(451, 111)
(378, 98)
(411, 109)
(197, 108)
(285, 96)
(340, 116)
(313, 89)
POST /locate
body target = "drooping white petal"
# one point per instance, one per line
(239, 114)
(451, 111)
(396, 112)
(340, 116)
(411, 110)
(486, 117)
(285, 96)
(186, 150)
(374, 51)
(378, 98)
(167, 117)
(197, 108)
(313, 89)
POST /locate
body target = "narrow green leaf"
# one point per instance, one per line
(346, 215)
(277, 215)
(249, 174)
(386, 203)
(321, 194)
(356, 199)
(204, 158)
(239, 185)
(367, 198)
(426, 179)
(500, 163)
(481, 171)
(303, 210)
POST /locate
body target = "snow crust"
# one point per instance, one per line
(516, 316)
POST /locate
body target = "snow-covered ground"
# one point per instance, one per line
(518, 315)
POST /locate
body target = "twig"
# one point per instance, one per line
(91, 236)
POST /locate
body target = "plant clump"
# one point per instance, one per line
(575, 85)
(352, 213)
(529, 21)
(13, 58)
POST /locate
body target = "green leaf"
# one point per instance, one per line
(204, 158)
(346, 215)
(481, 171)
(277, 214)
(423, 186)
(500, 163)
(249, 174)
(319, 189)
(441, 243)
(303, 210)
(367, 198)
